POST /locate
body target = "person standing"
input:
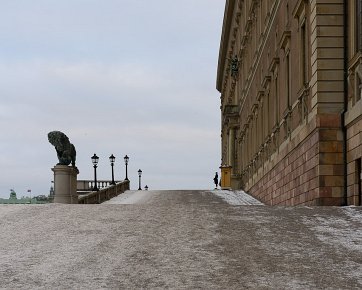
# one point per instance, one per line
(216, 180)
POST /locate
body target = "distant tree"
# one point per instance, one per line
(12, 194)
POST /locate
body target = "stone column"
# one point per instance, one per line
(65, 184)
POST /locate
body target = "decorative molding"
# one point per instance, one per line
(249, 119)
(235, 31)
(254, 109)
(285, 39)
(266, 81)
(298, 8)
(260, 96)
(273, 64)
(234, 66)
(237, 18)
(244, 40)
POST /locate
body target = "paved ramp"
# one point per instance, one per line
(142, 196)
(179, 240)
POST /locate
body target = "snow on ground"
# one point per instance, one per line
(143, 196)
(236, 197)
(336, 231)
(131, 197)
(180, 240)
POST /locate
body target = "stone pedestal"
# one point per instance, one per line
(65, 184)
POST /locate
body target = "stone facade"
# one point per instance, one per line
(290, 79)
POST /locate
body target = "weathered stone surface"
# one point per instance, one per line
(291, 96)
(180, 240)
(65, 184)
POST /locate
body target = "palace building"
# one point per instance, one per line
(290, 78)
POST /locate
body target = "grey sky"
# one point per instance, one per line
(132, 77)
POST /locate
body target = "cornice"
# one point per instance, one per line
(224, 42)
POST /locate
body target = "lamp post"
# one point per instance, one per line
(139, 179)
(95, 159)
(112, 159)
(126, 158)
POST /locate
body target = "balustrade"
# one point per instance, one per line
(104, 194)
(85, 186)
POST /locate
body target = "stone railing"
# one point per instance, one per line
(85, 186)
(104, 194)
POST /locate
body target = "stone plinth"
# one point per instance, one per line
(65, 184)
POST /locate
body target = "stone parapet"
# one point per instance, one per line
(97, 197)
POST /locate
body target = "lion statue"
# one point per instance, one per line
(65, 150)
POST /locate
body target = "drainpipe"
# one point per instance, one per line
(345, 99)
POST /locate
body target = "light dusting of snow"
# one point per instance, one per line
(343, 234)
(236, 197)
(131, 197)
(180, 240)
(353, 213)
(336, 231)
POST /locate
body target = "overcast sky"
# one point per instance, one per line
(118, 77)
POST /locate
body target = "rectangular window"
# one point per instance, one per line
(244, 150)
(249, 140)
(357, 83)
(260, 127)
(266, 114)
(303, 54)
(272, 110)
(261, 132)
(276, 100)
(289, 97)
(358, 24)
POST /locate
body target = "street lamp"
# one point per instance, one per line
(139, 179)
(95, 159)
(126, 158)
(112, 159)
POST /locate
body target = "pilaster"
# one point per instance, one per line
(327, 91)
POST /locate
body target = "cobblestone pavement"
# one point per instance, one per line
(179, 240)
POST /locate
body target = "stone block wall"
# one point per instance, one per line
(286, 146)
(307, 172)
(354, 155)
(308, 168)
